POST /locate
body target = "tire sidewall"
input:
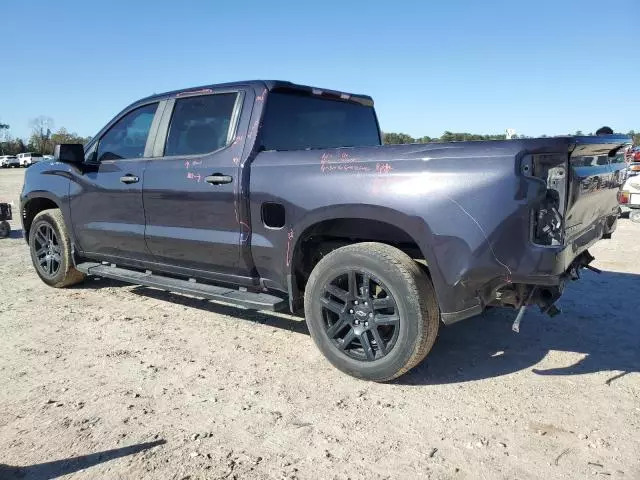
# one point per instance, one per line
(46, 217)
(402, 291)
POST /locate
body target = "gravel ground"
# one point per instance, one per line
(107, 380)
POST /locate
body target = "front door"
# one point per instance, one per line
(106, 196)
(191, 188)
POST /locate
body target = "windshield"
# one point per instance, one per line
(295, 121)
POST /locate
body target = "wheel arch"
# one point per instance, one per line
(347, 224)
(34, 205)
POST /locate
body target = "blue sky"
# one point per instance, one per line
(538, 66)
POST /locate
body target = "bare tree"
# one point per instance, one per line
(41, 133)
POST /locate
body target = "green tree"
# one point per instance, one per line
(397, 138)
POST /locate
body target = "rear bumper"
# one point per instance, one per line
(546, 268)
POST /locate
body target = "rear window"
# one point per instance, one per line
(297, 122)
(37, 155)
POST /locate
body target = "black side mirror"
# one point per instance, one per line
(69, 153)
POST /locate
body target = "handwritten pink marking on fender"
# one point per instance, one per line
(238, 139)
(383, 168)
(344, 163)
(186, 164)
(236, 160)
(261, 97)
(196, 162)
(289, 239)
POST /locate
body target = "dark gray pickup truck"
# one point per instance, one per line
(274, 196)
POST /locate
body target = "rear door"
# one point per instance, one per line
(192, 185)
(106, 196)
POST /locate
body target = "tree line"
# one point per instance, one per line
(42, 140)
(391, 138)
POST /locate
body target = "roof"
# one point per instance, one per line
(269, 85)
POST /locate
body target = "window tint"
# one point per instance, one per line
(36, 155)
(200, 124)
(128, 136)
(297, 122)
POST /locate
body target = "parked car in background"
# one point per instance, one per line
(7, 161)
(629, 196)
(28, 158)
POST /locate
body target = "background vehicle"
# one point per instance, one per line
(7, 161)
(29, 158)
(629, 196)
(270, 194)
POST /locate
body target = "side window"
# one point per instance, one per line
(128, 136)
(200, 124)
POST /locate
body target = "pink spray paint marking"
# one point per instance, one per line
(254, 129)
(194, 176)
(236, 160)
(261, 97)
(344, 163)
(289, 239)
(238, 139)
(383, 168)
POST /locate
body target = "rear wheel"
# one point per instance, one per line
(50, 249)
(371, 310)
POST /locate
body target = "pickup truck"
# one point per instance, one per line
(274, 196)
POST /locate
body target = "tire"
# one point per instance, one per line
(332, 308)
(5, 229)
(48, 233)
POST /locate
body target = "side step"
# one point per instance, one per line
(251, 300)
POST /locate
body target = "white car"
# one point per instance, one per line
(28, 158)
(7, 161)
(630, 194)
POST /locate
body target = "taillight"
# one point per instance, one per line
(623, 197)
(635, 168)
(636, 156)
(548, 216)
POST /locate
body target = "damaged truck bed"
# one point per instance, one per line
(271, 195)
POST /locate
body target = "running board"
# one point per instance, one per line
(251, 300)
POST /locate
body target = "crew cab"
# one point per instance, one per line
(276, 196)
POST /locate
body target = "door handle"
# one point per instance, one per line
(129, 179)
(218, 179)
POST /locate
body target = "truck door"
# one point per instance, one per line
(192, 185)
(106, 196)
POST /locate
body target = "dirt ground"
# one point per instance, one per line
(107, 380)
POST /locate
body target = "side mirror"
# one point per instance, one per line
(69, 153)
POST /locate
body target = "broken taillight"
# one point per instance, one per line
(548, 217)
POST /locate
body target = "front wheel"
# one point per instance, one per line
(371, 311)
(50, 249)
(5, 229)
